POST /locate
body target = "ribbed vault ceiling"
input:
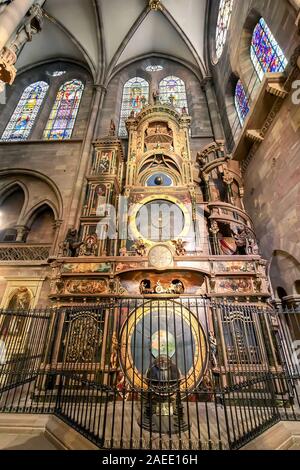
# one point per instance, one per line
(105, 34)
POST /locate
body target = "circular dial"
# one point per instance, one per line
(160, 220)
(163, 330)
(160, 257)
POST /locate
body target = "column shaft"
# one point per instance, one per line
(11, 17)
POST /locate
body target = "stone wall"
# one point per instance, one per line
(46, 169)
(272, 179)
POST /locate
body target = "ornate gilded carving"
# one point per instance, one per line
(174, 287)
(213, 349)
(61, 286)
(86, 268)
(84, 339)
(155, 5)
(114, 351)
(85, 287)
(179, 247)
(89, 247)
(214, 228)
(20, 300)
(140, 247)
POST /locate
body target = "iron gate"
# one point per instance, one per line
(157, 373)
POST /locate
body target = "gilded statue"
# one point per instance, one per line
(213, 349)
(20, 300)
(89, 247)
(114, 351)
(140, 247)
(179, 247)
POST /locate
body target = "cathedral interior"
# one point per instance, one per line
(149, 217)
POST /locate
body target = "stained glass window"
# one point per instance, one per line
(154, 68)
(172, 91)
(64, 112)
(58, 73)
(266, 54)
(24, 116)
(223, 22)
(241, 102)
(135, 96)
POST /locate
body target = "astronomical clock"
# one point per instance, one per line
(162, 230)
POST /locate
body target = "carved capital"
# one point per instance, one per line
(255, 136)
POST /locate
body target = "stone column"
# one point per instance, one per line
(11, 19)
(207, 86)
(22, 232)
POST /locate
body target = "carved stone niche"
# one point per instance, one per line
(158, 133)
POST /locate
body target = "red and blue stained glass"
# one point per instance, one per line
(24, 116)
(266, 54)
(135, 96)
(241, 102)
(64, 112)
(172, 91)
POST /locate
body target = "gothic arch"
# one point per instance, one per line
(22, 295)
(151, 155)
(284, 271)
(10, 188)
(246, 68)
(19, 172)
(37, 209)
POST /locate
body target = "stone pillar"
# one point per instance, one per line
(56, 226)
(207, 86)
(22, 232)
(10, 20)
(78, 196)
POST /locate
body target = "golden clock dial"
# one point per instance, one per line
(160, 257)
(163, 329)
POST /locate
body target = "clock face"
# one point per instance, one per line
(160, 219)
(160, 257)
(168, 331)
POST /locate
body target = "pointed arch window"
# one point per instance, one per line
(223, 22)
(241, 101)
(24, 116)
(64, 112)
(266, 54)
(172, 91)
(135, 96)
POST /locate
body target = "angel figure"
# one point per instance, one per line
(114, 351)
(179, 247)
(140, 247)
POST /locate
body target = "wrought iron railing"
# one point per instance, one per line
(154, 374)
